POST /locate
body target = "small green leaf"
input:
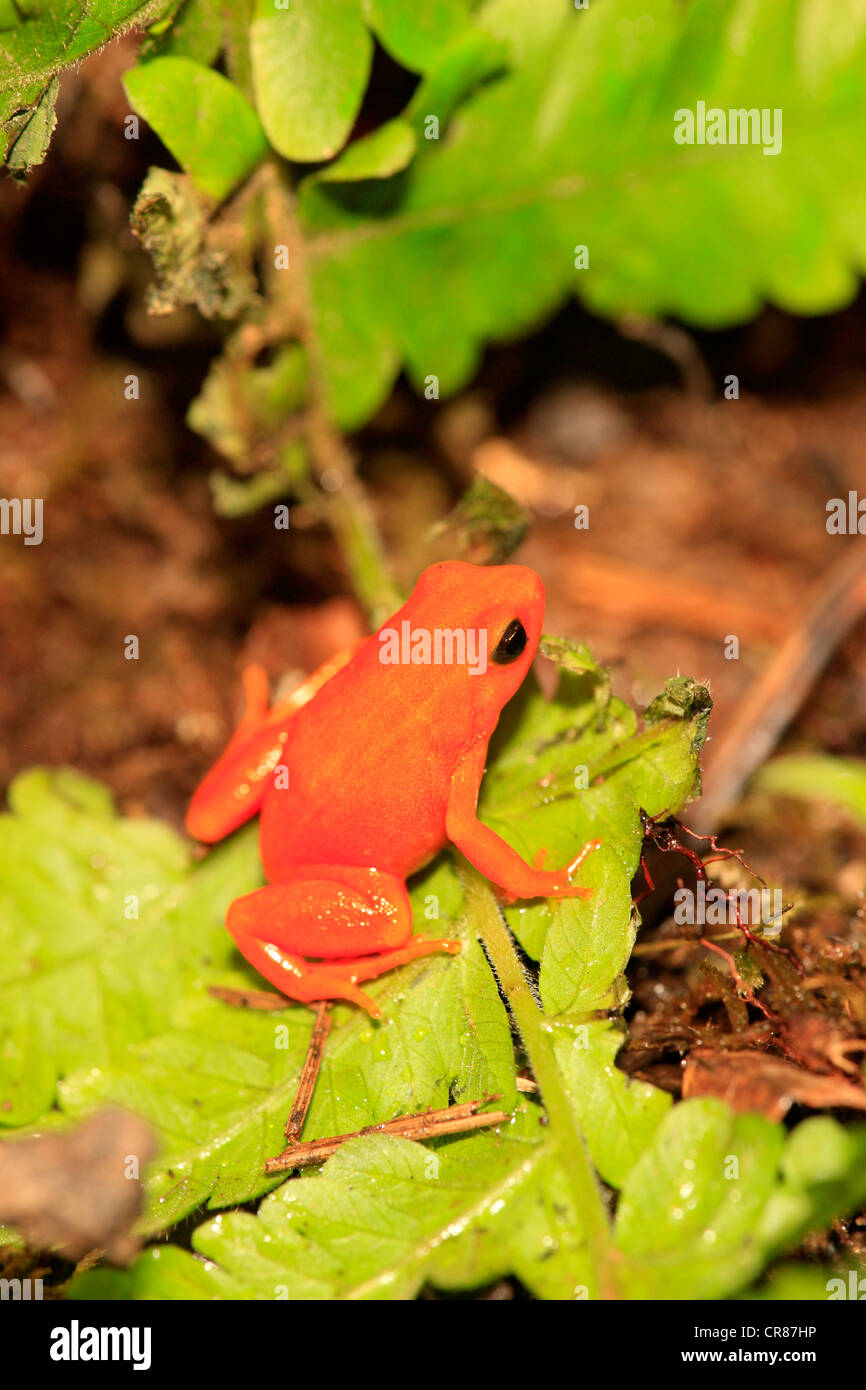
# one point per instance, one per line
(376, 156)
(416, 34)
(383, 1217)
(716, 1195)
(311, 62)
(688, 1209)
(200, 116)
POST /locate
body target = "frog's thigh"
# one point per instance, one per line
(357, 921)
(327, 911)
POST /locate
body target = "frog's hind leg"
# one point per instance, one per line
(358, 922)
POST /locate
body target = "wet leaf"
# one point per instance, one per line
(114, 1009)
(715, 1196)
(617, 1116)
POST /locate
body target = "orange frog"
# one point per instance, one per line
(366, 772)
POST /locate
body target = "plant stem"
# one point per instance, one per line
(346, 506)
(534, 1031)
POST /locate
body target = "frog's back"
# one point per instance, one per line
(370, 764)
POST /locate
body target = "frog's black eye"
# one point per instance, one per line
(511, 644)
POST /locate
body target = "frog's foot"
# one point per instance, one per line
(357, 921)
(539, 882)
(304, 980)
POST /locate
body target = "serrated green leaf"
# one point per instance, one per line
(577, 769)
(311, 62)
(39, 40)
(714, 1197)
(589, 941)
(200, 116)
(383, 1217)
(115, 1007)
(489, 219)
(618, 1117)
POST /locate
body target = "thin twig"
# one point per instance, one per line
(429, 1124)
(675, 344)
(671, 943)
(776, 696)
(309, 1073)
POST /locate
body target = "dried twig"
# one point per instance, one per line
(309, 1073)
(675, 344)
(778, 693)
(429, 1124)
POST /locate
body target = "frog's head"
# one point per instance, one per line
(497, 610)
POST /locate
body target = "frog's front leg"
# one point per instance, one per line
(490, 853)
(357, 922)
